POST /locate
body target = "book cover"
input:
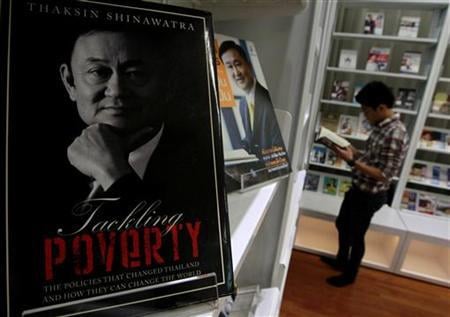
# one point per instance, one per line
(333, 160)
(409, 200)
(448, 177)
(409, 26)
(364, 127)
(419, 171)
(312, 182)
(406, 98)
(378, 59)
(248, 117)
(318, 154)
(373, 23)
(410, 62)
(433, 139)
(330, 185)
(442, 207)
(436, 175)
(348, 125)
(115, 198)
(441, 103)
(344, 186)
(339, 90)
(426, 204)
(348, 59)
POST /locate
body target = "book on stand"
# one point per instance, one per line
(406, 98)
(339, 90)
(318, 154)
(330, 185)
(364, 127)
(426, 203)
(409, 200)
(410, 62)
(348, 125)
(344, 186)
(373, 23)
(378, 59)
(409, 26)
(433, 139)
(157, 235)
(348, 59)
(312, 182)
(249, 123)
(441, 103)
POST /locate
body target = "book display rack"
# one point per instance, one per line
(407, 49)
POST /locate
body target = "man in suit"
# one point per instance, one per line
(256, 109)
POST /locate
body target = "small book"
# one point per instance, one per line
(333, 160)
(330, 139)
(348, 125)
(364, 127)
(373, 23)
(318, 154)
(419, 171)
(312, 182)
(339, 90)
(330, 185)
(441, 103)
(410, 62)
(426, 204)
(442, 208)
(409, 200)
(436, 175)
(433, 139)
(378, 58)
(344, 186)
(409, 26)
(348, 59)
(406, 98)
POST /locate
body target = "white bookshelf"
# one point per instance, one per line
(361, 36)
(372, 73)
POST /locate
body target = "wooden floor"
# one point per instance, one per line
(374, 293)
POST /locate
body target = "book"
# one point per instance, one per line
(409, 200)
(373, 23)
(364, 127)
(419, 171)
(312, 182)
(433, 139)
(243, 128)
(406, 98)
(441, 103)
(330, 139)
(348, 59)
(157, 236)
(339, 90)
(436, 175)
(409, 26)
(344, 186)
(348, 125)
(410, 62)
(378, 59)
(330, 185)
(318, 154)
(442, 207)
(426, 204)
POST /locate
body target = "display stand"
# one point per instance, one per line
(152, 300)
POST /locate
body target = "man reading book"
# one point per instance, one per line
(373, 171)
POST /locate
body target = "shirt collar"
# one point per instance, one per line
(139, 158)
(388, 120)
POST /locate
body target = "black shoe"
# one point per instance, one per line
(340, 280)
(335, 264)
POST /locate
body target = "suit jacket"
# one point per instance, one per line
(266, 132)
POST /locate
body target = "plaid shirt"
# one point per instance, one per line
(385, 149)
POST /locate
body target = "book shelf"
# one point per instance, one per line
(393, 242)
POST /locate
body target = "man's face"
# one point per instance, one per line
(114, 81)
(371, 114)
(239, 69)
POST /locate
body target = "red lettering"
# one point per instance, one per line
(50, 258)
(130, 259)
(107, 249)
(193, 233)
(151, 249)
(86, 240)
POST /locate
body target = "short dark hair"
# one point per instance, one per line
(228, 45)
(374, 94)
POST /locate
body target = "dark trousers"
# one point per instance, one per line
(352, 223)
